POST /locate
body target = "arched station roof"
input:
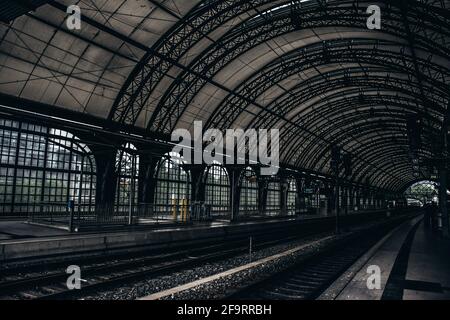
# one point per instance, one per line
(310, 68)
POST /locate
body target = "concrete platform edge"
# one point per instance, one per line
(339, 285)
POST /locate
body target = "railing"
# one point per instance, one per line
(73, 216)
(219, 211)
(149, 212)
(67, 215)
(59, 214)
(201, 211)
(249, 211)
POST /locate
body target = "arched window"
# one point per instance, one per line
(218, 191)
(292, 197)
(40, 164)
(248, 201)
(273, 203)
(423, 192)
(127, 169)
(173, 184)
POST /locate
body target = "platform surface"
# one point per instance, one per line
(21, 230)
(20, 240)
(428, 267)
(414, 265)
(13, 230)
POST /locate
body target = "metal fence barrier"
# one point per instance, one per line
(58, 214)
(74, 216)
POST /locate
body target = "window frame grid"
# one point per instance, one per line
(29, 170)
(218, 189)
(249, 193)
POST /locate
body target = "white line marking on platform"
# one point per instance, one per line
(190, 285)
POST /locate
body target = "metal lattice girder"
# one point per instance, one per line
(365, 142)
(387, 181)
(182, 36)
(313, 57)
(346, 120)
(299, 94)
(204, 18)
(381, 148)
(346, 137)
(297, 148)
(369, 127)
(368, 97)
(328, 109)
(371, 77)
(246, 35)
(350, 135)
(403, 68)
(382, 155)
(374, 143)
(187, 86)
(323, 112)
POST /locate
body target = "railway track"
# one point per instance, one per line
(104, 275)
(308, 279)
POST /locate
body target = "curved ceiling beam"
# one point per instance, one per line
(373, 126)
(406, 173)
(314, 58)
(315, 13)
(362, 131)
(364, 135)
(295, 137)
(189, 86)
(358, 133)
(343, 122)
(305, 91)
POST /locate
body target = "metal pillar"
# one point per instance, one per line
(336, 199)
(443, 200)
(443, 177)
(346, 197)
(132, 187)
(284, 189)
(233, 195)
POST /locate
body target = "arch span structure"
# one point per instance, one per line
(309, 68)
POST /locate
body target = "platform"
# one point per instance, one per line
(47, 242)
(414, 265)
(13, 230)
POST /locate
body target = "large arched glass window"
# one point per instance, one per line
(173, 185)
(248, 201)
(292, 197)
(127, 168)
(43, 165)
(422, 192)
(273, 203)
(218, 191)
